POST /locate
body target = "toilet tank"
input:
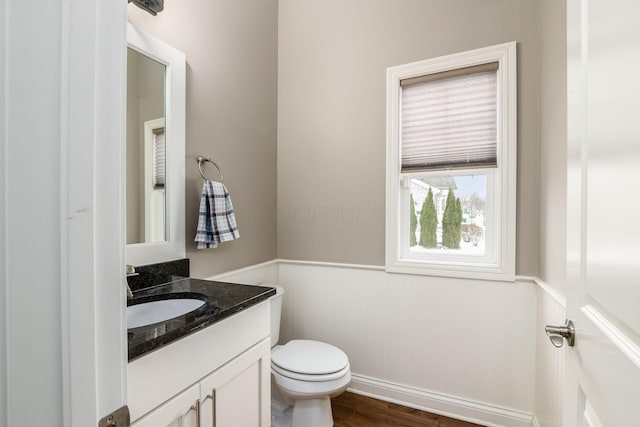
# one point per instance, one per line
(276, 311)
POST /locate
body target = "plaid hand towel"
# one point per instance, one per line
(216, 222)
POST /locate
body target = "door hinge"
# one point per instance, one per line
(118, 418)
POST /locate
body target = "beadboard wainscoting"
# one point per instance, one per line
(462, 348)
(551, 310)
(473, 350)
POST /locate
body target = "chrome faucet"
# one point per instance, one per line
(130, 271)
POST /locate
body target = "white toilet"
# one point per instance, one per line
(307, 372)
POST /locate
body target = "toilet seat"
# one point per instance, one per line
(311, 377)
(307, 359)
(306, 389)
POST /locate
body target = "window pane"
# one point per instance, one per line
(159, 158)
(448, 215)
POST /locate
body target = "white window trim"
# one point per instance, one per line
(505, 191)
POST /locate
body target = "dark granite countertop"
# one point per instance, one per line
(221, 301)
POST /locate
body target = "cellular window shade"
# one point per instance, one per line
(159, 158)
(449, 120)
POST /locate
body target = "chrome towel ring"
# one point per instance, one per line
(202, 160)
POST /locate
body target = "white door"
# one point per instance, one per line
(62, 326)
(602, 382)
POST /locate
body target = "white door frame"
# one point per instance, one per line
(63, 353)
(102, 67)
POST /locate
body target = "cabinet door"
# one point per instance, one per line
(239, 393)
(177, 412)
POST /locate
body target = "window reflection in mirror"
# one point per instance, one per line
(146, 197)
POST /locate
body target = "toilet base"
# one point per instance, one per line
(280, 414)
(312, 413)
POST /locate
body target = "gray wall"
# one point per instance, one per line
(231, 49)
(553, 200)
(331, 114)
(553, 142)
(331, 147)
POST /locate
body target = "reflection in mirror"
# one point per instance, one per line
(146, 197)
(155, 178)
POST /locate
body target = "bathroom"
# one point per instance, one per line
(285, 96)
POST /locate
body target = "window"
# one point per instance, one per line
(155, 175)
(451, 165)
(159, 156)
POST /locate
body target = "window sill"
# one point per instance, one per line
(457, 270)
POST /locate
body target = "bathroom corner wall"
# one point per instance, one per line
(550, 307)
(553, 141)
(333, 57)
(549, 361)
(231, 50)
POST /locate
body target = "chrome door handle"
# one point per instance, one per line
(557, 334)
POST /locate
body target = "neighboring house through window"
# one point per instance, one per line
(451, 165)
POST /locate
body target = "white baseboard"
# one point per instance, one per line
(438, 403)
(535, 422)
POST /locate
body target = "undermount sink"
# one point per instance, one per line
(159, 311)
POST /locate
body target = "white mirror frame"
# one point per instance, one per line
(175, 117)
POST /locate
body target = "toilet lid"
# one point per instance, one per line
(310, 357)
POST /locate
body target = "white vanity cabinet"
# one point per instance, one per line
(221, 373)
(235, 394)
(180, 411)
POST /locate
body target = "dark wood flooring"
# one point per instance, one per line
(354, 410)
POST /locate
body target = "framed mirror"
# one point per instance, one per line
(155, 150)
